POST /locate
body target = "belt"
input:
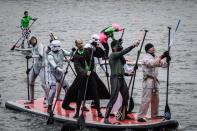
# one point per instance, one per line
(150, 77)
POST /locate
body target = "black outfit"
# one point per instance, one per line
(96, 89)
(118, 84)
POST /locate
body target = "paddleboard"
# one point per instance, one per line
(91, 119)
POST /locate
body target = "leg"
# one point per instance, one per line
(93, 83)
(155, 104)
(78, 104)
(146, 99)
(32, 78)
(44, 84)
(52, 91)
(114, 95)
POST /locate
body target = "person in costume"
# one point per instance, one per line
(56, 57)
(106, 33)
(118, 84)
(84, 67)
(150, 94)
(37, 68)
(25, 27)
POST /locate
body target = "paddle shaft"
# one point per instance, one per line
(28, 79)
(136, 63)
(71, 66)
(13, 47)
(131, 102)
(84, 98)
(107, 75)
(168, 68)
(61, 84)
(170, 42)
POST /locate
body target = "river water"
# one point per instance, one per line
(79, 19)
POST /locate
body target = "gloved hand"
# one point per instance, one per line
(165, 54)
(73, 49)
(60, 69)
(27, 71)
(120, 40)
(168, 59)
(94, 44)
(89, 73)
(28, 57)
(136, 67)
(34, 19)
(136, 44)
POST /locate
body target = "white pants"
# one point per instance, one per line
(32, 78)
(149, 97)
(54, 78)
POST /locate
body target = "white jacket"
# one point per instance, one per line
(150, 66)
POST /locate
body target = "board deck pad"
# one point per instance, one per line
(91, 118)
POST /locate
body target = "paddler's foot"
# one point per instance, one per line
(29, 102)
(141, 120)
(49, 109)
(69, 108)
(76, 116)
(84, 108)
(100, 115)
(106, 121)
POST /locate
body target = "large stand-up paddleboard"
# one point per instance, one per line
(91, 119)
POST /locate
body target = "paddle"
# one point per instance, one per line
(167, 113)
(51, 118)
(131, 102)
(27, 72)
(81, 120)
(13, 47)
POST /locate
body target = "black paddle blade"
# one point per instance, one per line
(131, 105)
(50, 119)
(167, 113)
(13, 47)
(81, 122)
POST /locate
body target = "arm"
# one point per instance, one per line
(66, 53)
(117, 55)
(51, 61)
(158, 62)
(98, 52)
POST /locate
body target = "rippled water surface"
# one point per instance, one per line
(73, 19)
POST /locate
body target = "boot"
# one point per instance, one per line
(49, 109)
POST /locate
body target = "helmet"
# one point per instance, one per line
(95, 38)
(117, 27)
(55, 45)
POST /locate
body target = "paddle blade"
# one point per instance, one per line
(81, 122)
(13, 47)
(167, 113)
(50, 119)
(131, 105)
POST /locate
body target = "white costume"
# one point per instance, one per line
(150, 85)
(56, 58)
(38, 68)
